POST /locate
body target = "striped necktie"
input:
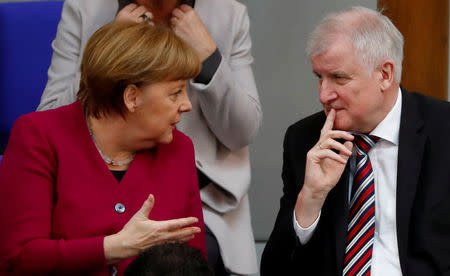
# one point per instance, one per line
(361, 223)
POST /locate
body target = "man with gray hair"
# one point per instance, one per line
(366, 181)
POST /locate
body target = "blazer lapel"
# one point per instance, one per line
(410, 152)
(340, 216)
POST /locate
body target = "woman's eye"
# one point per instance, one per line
(175, 94)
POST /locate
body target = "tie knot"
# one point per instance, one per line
(364, 143)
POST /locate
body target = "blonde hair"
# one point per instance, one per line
(124, 53)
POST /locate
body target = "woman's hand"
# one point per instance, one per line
(325, 163)
(140, 233)
(187, 24)
(134, 13)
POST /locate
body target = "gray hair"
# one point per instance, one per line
(373, 35)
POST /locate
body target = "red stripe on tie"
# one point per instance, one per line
(360, 223)
(363, 145)
(361, 262)
(363, 173)
(360, 243)
(361, 199)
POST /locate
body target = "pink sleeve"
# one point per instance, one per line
(27, 178)
(195, 203)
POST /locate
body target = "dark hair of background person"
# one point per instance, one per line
(170, 260)
(124, 53)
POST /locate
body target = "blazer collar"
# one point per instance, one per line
(410, 152)
(340, 214)
(123, 3)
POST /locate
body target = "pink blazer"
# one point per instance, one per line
(59, 198)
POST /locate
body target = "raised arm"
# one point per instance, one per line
(226, 87)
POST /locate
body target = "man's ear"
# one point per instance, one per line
(387, 72)
(131, 97)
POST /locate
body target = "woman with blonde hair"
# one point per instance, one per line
(88, 186)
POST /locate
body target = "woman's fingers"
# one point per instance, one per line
(135, 13)
(147, 206)
(174, 224)
(180, 235)
(129, 8)
(146, 16)
(139, 11)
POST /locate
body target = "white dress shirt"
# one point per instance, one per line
(383, 156)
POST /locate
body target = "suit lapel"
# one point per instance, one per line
(340, 215)
(410, 152)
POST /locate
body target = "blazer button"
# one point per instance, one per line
(199, 163)
(120, 208)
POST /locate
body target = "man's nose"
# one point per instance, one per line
(327, 91)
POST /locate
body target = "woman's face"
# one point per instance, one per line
(159, 108)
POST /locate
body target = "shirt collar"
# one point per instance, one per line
(123, 3)
(389, 128)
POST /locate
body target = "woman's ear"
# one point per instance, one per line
(131, 97)
(387, 71)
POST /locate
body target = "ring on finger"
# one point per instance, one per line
(145, 17)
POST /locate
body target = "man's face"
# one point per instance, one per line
(348, 87)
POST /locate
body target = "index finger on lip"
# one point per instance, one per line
(329, 121)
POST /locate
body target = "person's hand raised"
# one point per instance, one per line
(134, 13)
(324, 166)
(141, 233)
(186, 23)
(325, 163)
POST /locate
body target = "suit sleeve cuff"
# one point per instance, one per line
(209, 68)
(305, 234)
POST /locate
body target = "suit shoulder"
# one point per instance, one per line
(304, 133)
(432, 109)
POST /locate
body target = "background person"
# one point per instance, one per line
(90, 185)
(170, 260)
(226, 112)
(366, 183)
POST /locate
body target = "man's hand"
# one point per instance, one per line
(324, 168)
(134, 13)
(186, 23)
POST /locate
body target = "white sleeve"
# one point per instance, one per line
(305, 234)
(63, 74)
(230, 101)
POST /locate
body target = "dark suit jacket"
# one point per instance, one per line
(423, 198)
